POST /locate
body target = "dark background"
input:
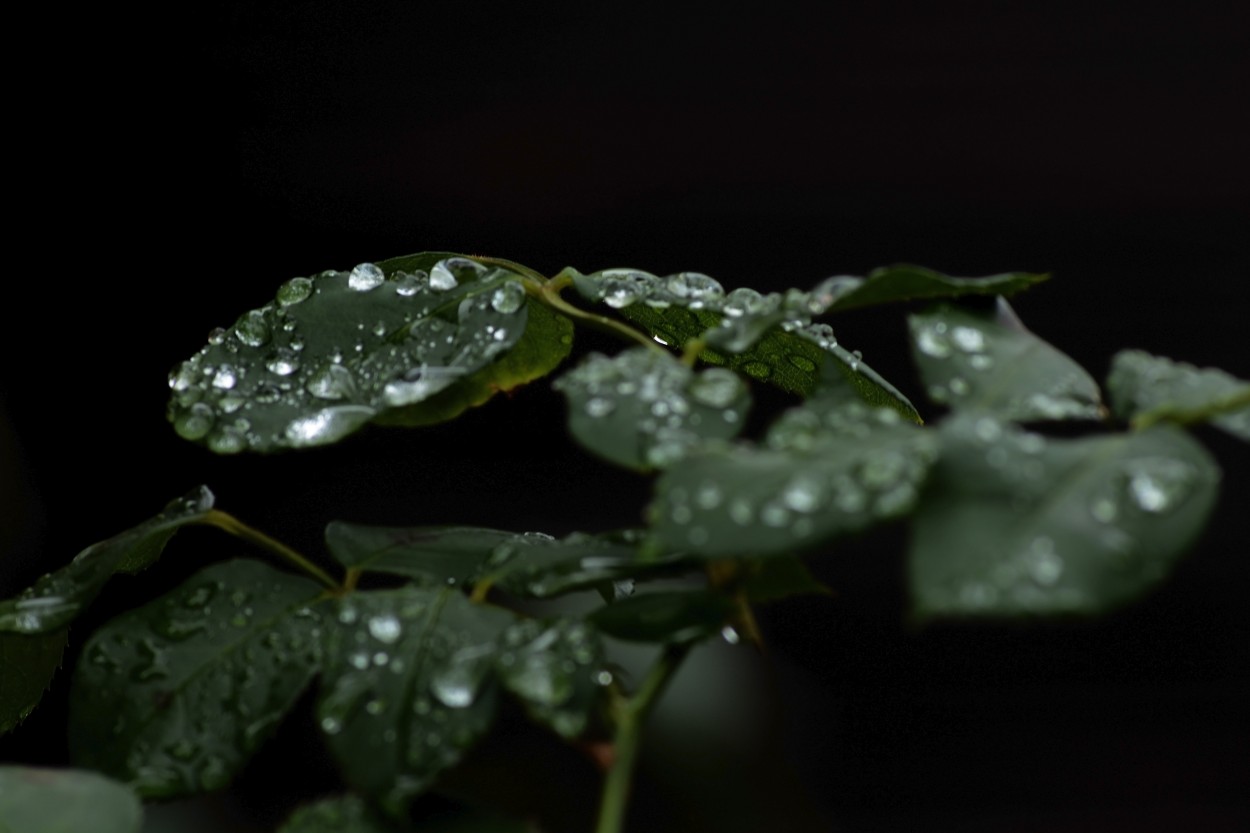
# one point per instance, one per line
(183, 166)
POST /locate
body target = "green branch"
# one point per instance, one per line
(235, 527)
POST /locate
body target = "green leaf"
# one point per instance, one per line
(341, 814)
(908, 283)
(29, 663)
(644, 409)
(412, 679)
(34, 800)
(410, 341)
(826, 471)
(1015, 524)
(766, 337)
(665, 616)
(980, 360)
(526, 564)
(56, 599)
(780, 577)
(1148, 389)
(176, 696)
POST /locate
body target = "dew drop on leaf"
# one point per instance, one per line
(294, 291)
(365, 277)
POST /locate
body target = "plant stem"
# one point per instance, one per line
(632, 714)
(235, 527)
(549, 293)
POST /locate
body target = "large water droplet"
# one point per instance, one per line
(717, 387)
(1160, 484)
(803, 493)
(968, 339)
(252, 329)
(508, 298)
(327, 425)
(332, 381)
(385, 628)
(456, 684)
(694, 285)
(226, 377)
(408, 284)
(195, 422)
(282, 363)
(365, 277)
(442, 278)
(294, 291)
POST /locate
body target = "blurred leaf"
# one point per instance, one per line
(780, 577)
(341, 814)
(412, 678)
(904, 282)
(827, 471)
(410, 340)
(36, 800)
(175, 696)
(665, 616)
(29, 663)
(1147, 389)
(644, 409)
(56, 599)
(1013, 523)
(766, 337)
(525, 564)
(975, 360)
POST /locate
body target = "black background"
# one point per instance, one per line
(174, 169)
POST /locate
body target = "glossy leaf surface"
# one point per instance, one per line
(766, 337)
(29, 662)
(34, 800)
(525, 564)
(977, 360)
(174, 697)
(412, 680)
(644, 409)
(56, 599)
(410, 341)
(1146, 388)
(1013, 523)
(905, 282)
(825, 471)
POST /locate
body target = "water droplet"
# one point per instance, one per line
(327, 425)
(508, 298)
(1043, 564)
(932, 343)
(757, 370)
(958, 386)
(365, 277)
(196, 422)
(708, 495)
(1158, 485)
(856, 357)
(599, 406)
(968, 339)
(294, 291)
(282, 363)
(332, 381)
(225, 378)
(331, 725)
(803, 493)
(694, 285)
(603, 678)
(456, 684)
(408, 284)
(730, 635)
(741, 512)
(1104, 510)
(717, 387)
(801, 362)
(252, 329)
(442, 278)
(385, 629)
(774, 515)
(227, 440)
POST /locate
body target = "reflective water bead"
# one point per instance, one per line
(294, 291)
(252, 329)
(365, 277)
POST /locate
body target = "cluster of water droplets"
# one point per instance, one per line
(644, 407)
(554, 667)
(332, 351)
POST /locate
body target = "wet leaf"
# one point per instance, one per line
(411, 341)
(825, 472)
(34, 800)
(174, 697)
(766, 337)
(1014, 524)
(30, 661)
(644, 409)
(1148, 389)
(525, 564)
(909, 283)
(56, 599)
(665, 616)
(413, 676)
(975, 360)
(342, 814)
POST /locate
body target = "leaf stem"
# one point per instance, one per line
(549, 293)
(633, 713)
(693, 349)
(235, 527)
